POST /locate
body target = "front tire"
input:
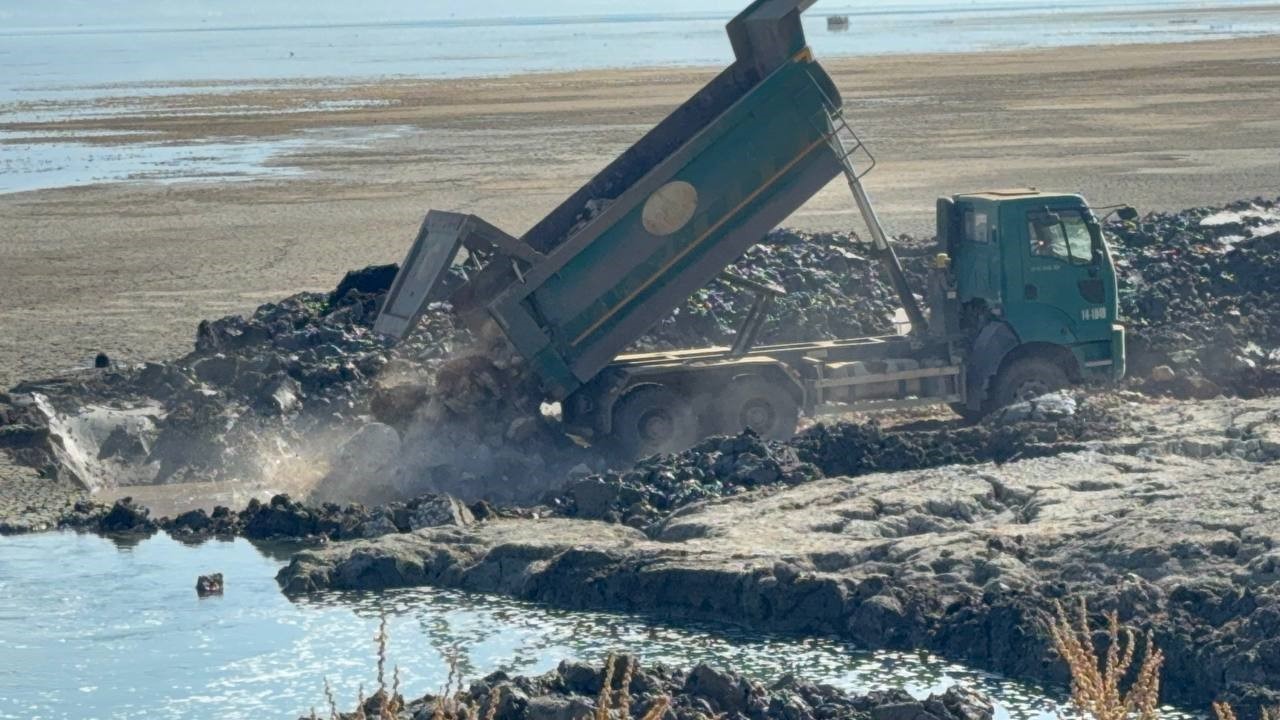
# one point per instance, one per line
(1027, 379)
(651, 419)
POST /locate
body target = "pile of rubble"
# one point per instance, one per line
(306, 382)
(281, 519)
(251, 386)
(1200, 291)
(644, 496)
(575, 690)
(833, 289)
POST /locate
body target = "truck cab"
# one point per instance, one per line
(1032, 284)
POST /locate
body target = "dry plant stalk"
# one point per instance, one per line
(658, 710)
(1224, 711)
(605, 701)
(624, 693)
(382, 654)
(333, 705)
(494, 696)
(447, 706)
(1096, 682)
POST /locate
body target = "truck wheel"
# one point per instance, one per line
(1027, 379)
(754, 402)
(651, 419)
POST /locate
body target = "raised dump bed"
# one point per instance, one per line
(658, 223)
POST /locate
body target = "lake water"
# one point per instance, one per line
(63, 59)
(94, 629)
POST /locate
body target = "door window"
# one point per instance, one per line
(976, 227)
(1062, 234)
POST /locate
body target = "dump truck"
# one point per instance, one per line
(1021, 296)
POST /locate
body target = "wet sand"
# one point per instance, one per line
(131, 268)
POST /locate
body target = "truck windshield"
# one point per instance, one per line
(1069, 238)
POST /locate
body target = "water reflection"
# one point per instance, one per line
(88, 629)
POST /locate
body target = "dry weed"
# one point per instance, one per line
(605, 700)
(452, 704)
(1096, 690)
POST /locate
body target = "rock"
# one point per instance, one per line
(1054, 406)
(963, 703)
(127, 518)
(126, 443)
(593, 497)
(1163, 374)
(377, 527)
(218, 370)
(570, 693)
(281, 518)
(192, 522)
(438, 511)
(280, 396)
(208, 585)
(728, 693)
(559, 708)
(372, 280)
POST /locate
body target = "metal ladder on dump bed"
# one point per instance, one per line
(839, 377)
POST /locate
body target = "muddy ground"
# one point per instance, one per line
(1174, 524)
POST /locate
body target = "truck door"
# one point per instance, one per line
(978, 268)
(1062, 295)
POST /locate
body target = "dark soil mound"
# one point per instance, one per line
(574, 690)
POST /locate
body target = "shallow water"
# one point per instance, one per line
(31, 161)
(65, 60)
(42, 51)
(94, 629)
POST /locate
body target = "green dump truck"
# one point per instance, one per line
(1021, 299)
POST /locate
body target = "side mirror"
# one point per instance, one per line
(1127, 214)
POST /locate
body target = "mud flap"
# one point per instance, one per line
(433, 252)
(989, 349)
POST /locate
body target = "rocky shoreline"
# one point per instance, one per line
(1175, 527)
(577, 690)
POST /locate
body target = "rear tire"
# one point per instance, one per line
(1027, 379)
(651, 419)
(753, 401)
